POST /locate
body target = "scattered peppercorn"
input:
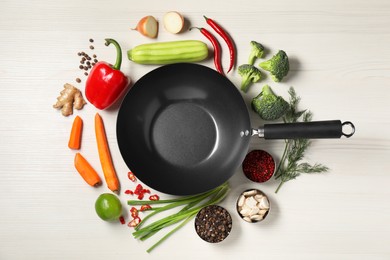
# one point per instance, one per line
(86, 61)
(213, 223)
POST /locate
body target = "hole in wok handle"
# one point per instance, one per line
(351, 128)
(308, 130)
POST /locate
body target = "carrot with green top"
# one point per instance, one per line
(86, 171)
(105, 155)
(75, 134)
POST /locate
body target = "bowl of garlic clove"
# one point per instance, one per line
(253, 205)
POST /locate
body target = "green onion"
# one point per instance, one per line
(191, 206)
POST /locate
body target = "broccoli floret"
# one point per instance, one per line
(256, 52)
(278, 66)
(269, 106)
(249, 74)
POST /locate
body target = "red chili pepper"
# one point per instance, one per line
(106, 83)
(135, 222)
(145, 207)
(216, 46)
(154, 197)
(131, 177)
(134, 212)
(141, 196)
(227, 39)
(122, 220)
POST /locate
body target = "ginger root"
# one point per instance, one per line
(70, 98)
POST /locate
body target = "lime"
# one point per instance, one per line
(108, 207)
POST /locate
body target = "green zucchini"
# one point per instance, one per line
(169, 52)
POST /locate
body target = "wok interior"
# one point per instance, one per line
(179, 128)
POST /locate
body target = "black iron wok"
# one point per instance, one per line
(185, 129)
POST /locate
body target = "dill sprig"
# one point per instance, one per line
(291, 165)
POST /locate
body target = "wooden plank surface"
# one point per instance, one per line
(339, 52)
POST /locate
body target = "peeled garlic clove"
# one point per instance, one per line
(258, 197)
(250, 193)
(246, 207)
(241, 201)
(247, 219)
(254, 211)
(262, 211)
(245, 212)
(264, 203)
(256, 217)
(250, 202)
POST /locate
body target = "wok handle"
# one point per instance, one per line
(308, 130)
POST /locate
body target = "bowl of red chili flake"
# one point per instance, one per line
(258, 166)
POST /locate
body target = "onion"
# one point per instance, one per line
(173, 22)
(148, 26)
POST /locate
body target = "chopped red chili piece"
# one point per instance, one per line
(129, 192)
(132, 177)
(154, 197)
(122, 220)
(141, 196)
(145, 207)
(135, 222)
(134, 212)
(138, 189)
(145, 191)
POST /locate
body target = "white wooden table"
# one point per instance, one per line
(340, 54)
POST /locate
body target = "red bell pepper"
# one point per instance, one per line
(106, 83)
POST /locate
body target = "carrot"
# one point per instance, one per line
(105, 155)
(86, 170)
(75, 134)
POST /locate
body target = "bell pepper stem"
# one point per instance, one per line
(118, 62)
